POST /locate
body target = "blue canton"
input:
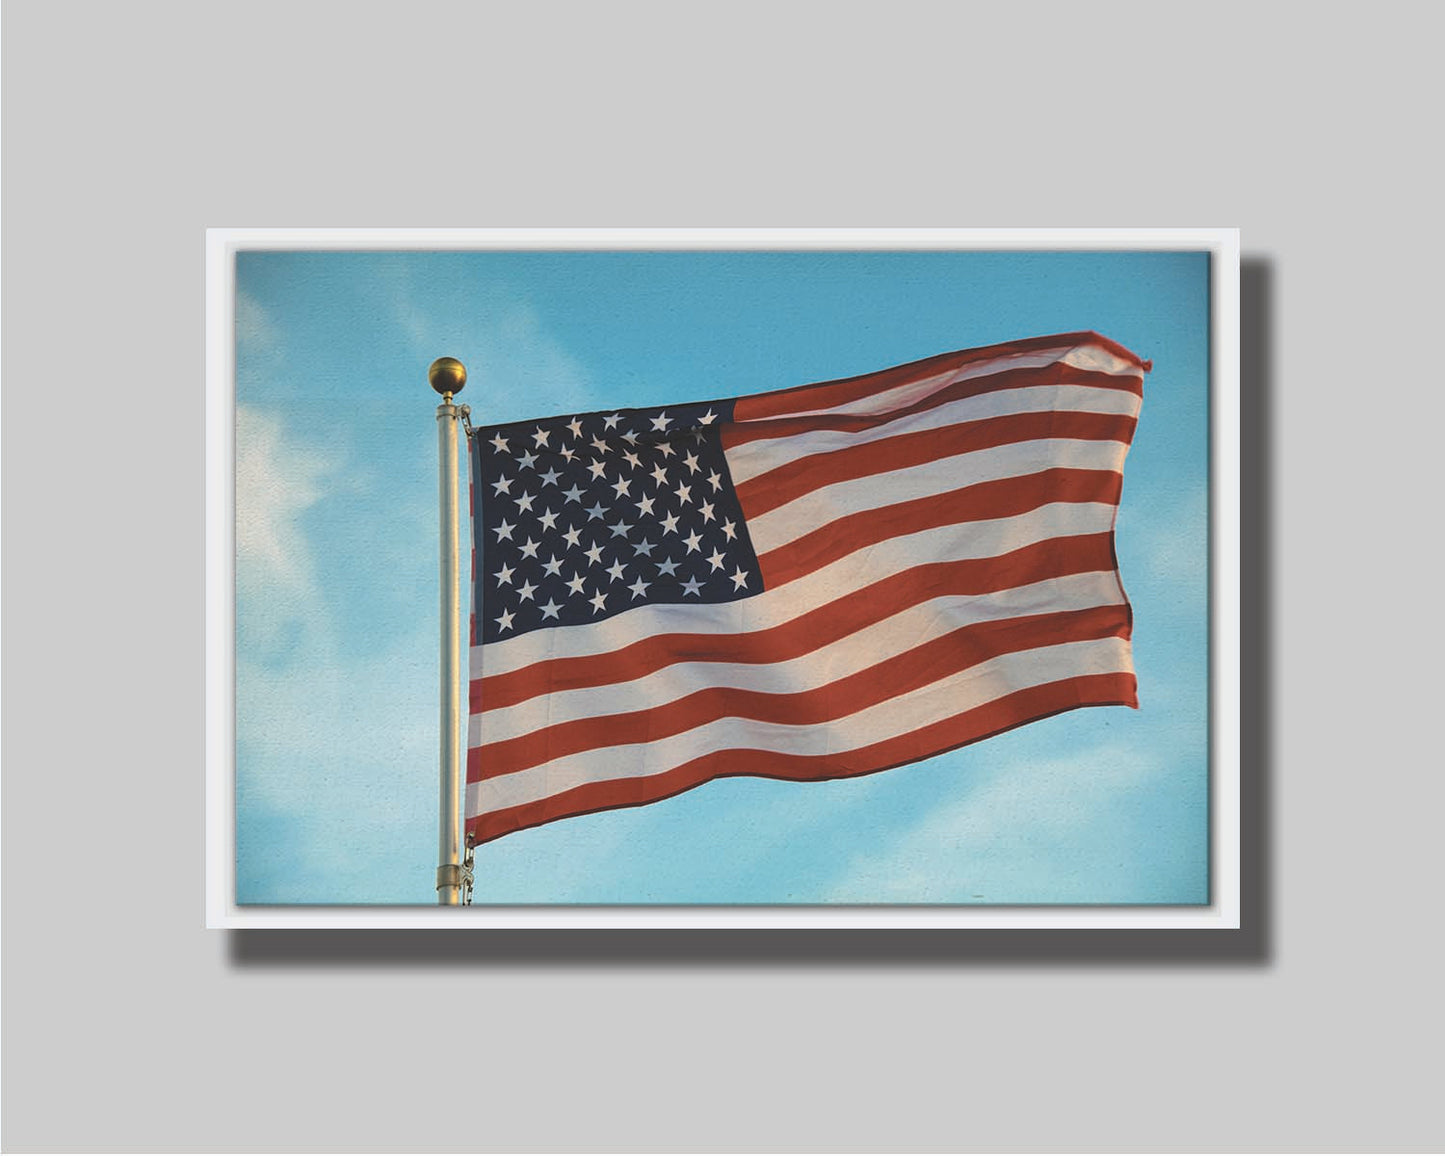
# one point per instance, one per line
(576, 519)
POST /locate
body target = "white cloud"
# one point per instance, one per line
(1170, 540)
(1025, 833)
(278, 480)
(516, 368)
(256, 332)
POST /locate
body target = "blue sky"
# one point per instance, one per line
(336, 583)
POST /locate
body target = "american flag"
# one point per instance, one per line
(811, 583)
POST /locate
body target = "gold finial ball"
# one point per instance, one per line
(447, 375)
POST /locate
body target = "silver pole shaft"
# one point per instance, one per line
(449, 846)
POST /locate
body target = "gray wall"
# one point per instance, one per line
(130, 128)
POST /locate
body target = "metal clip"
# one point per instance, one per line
(467, 872)
(466, 415)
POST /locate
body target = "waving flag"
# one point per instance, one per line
(807, 584)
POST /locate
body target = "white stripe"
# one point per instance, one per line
(754, 458)
(1092, 358)
(941, 700)
(839, 659)
(811, 511)
(1097, 359)
(982, 539)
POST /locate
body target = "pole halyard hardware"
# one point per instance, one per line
(468, 863)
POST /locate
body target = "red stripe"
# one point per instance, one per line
(828, 394)
(1055, 558)
(804, 475)
(920, 666)
(1024, 706)
(1000, 498)
(737, 433)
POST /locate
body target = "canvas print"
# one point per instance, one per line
(789, 577)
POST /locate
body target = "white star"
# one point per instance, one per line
(665, 448)
(597, 468)
(659, 475)
(504, 575)
(615, 570)
(568, 452)
(528, 460)
(525, 502)
(632, 459)
(576, 583)
(706, 509)
(611, 422)
(502, 485)
(575, 425)
(554, 567)
(661, 421)
(639, 588)
(691, 463)
(684, 493)
(505, 620)
(715, 481)
(549, 520)
(716, 560)
(739, 579)
(540, 437)
(668, 567)
(572, 536)
(574, 494)
(621, 485)
(629, 437)
(599, 600)
(550, 610)
(530, 549)
(596, 511)
(669, 524)
(504, 530)
(594, 555)
(729, 529)
(501, 443)
(599, 445)
(692, 586)
(643, 547)
(551, 476)
(692, 540)
(708, 418)
(645, 506)
(619, 528)
(525, 591)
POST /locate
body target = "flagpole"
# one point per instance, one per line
(447, 376)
